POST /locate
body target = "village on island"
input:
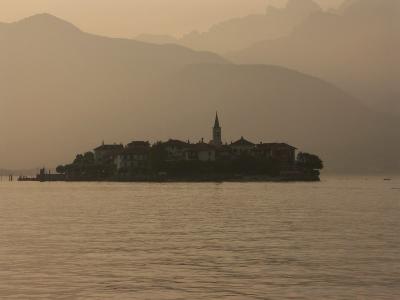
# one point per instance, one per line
(176, 160)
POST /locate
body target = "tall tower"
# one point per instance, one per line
(217, 132)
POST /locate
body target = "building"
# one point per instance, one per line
(217, 132)
(280, 152)
(201, 152)
(242, 147)
(46, 175)
(135, 156)
(132, 159)
(224, 153)
(139, 160)
(107, 152)
(175, 149)
(138, 144)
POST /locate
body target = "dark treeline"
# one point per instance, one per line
(158, 167)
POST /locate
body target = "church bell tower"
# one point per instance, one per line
(217, 132)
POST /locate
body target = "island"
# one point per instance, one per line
(176, 160)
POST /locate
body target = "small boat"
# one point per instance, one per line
(387, 179)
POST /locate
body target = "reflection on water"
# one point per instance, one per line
(338, 239)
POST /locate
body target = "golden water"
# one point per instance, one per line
(338, 239)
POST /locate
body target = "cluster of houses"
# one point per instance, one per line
(137, 153)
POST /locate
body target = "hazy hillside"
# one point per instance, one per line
(276, 104)
(57, 82)
(47, 37)
(239, 33)
(159, 39)
(356, 48)
(63, 92)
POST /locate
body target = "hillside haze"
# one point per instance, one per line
(356, 48)
(238, 33)
(64, 91)
(58, 82)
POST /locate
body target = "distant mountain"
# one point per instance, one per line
(158, 39)
(55, 81)
(370, 8)
(276, 104)
(239, 33)
(63, 91)
(40, 33)
(356, 48)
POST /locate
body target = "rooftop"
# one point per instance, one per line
(176, 143)
(242, 142)
(275, 145)
(109, 147)
(138, 150)
(201, 146)
(138, 144)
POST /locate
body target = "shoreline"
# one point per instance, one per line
(244, 179)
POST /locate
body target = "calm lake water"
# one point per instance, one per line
(338, 239)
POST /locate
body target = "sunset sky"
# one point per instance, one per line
(128, 18)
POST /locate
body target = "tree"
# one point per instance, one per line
(88, 157)
(78, 159)
(309, 161)
(61, 169)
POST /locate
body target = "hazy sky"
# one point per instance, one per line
(131, 17)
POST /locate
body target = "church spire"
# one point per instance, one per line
(217, 132)
(216, 124)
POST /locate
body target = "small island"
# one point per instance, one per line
(176, 160)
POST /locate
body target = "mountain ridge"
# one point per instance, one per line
(64, 96)
(355, 52)
(237, 33)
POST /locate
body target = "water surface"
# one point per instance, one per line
(338, 239)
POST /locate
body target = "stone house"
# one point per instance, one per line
(242, 147)
(105, 152)
(175, 149)
(135, 156)
(201, 152)
(280, 152)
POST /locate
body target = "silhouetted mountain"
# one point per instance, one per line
(47, 37)
(55, 77)
(239, 33)
(158, 39)
(370, 8)
(356, 49)
(276, 104)
(62, 94)
(43, 24)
